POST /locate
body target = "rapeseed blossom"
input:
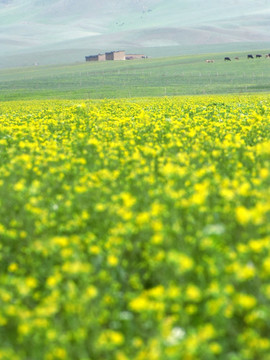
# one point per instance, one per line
(135, 229)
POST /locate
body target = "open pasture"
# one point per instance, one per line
(135, 229)
(185, 75)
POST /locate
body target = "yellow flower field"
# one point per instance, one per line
(135, 229)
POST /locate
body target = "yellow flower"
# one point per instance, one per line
(24, 329)
(60, 353)
(31, 282)
(215, 348)
(245, 301)
(112, 260)
(128, 200)
(182, 261)
(157, 238)
(121, 356)
(264, 173)
(243, 215)
(110, 338)
(157, 209)
(13, 267)
(207, 332)
(60, 241)
(91, 292)
(156, 225)
(266, 265)
(139, 304)
(157, 291)
(143, 218)
(53, 280)
(94, 249)
(246, 272)
(20, 185)
(258, 245)
(3, 322)
(193, 293)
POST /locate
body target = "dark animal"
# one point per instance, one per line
(227, 59)
(250, 57)
(258, 56)
(236, 58)
(267, 56)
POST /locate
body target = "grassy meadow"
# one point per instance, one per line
(185, 75)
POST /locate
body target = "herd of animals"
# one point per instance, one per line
(249, 56)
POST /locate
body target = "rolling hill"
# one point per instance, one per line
(53, 31)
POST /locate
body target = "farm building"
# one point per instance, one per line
(135, 56)
(98, 57)
(116, 55)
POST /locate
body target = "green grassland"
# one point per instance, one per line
(169, 76)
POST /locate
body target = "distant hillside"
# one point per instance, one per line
(30, 30)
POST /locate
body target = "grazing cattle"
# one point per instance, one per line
(236, 58)
(258, 56)
(209, 61)
(227, 59)
(250, 57)
(267, 56)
